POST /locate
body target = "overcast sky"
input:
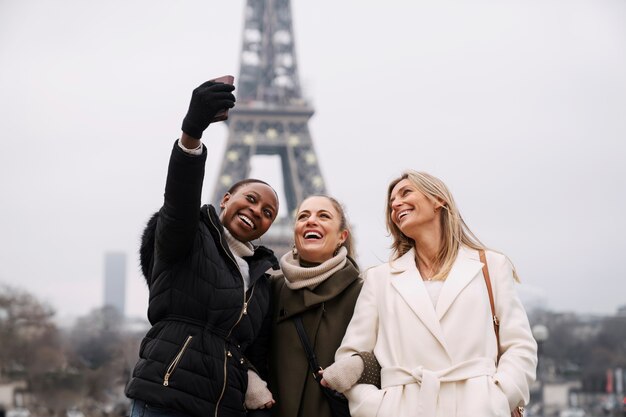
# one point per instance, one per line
(520, 107)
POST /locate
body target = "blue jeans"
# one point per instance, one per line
(139, 408)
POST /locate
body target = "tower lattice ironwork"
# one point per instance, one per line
(271, 116)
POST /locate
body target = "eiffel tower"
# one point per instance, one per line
(271, 116)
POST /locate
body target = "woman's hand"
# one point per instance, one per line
(343, 374)
(322, 381)
(257, 394)
(268, 404)
(206, 101)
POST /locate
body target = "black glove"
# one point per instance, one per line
(206, 101)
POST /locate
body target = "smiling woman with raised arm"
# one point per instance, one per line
(427, 317)
(209, 292)
(318, 286)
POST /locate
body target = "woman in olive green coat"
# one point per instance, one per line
(319, 283)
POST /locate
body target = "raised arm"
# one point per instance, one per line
(178, 218)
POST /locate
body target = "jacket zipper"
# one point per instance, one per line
(244, 311)
(174, 364)
(245, 303)
(217, 404)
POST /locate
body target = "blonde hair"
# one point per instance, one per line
(454, 230)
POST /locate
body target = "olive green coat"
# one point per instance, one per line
(326, 312)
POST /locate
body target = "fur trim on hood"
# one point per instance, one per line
(146, 251)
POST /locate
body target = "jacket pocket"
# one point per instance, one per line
(500, 403)
(381, 411)
(174, 364)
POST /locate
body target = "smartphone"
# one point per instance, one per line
(223, 114)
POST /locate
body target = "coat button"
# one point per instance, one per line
(230, 355)
(241, 361)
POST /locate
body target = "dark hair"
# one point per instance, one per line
(343, 223)
(241, 183)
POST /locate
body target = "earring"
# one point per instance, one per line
(336, 252)
(294, 251)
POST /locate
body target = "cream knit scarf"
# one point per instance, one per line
(239, 250)
(237, 247)
(297, 277)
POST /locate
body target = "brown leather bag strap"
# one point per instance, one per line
(518, 411)
(496, 322)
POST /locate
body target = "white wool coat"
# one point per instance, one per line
(440, 361)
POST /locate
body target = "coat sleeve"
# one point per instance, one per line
(361, 336)
(179, 216)
(518, 361)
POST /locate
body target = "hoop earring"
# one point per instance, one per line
(336, 252)
(294, 251)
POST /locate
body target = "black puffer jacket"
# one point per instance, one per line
(204, 335)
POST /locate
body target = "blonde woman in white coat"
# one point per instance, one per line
(427, 318)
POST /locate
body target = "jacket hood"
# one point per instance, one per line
(148, 237)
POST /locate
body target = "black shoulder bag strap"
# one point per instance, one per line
(336, 401)
(308, 349)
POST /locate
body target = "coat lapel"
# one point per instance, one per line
(465, 268)
(407, 281)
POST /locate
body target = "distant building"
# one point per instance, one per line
(115, 280)
(13, 394)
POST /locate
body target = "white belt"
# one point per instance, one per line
(430, 380)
